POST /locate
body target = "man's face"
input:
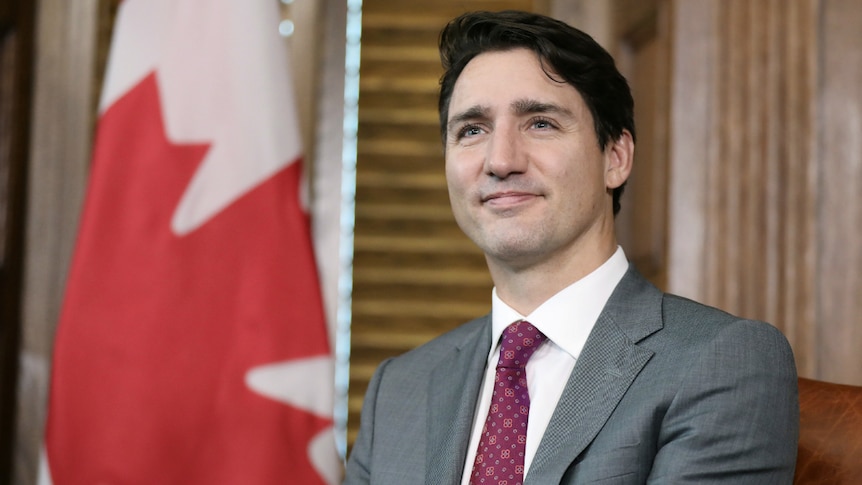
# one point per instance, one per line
(527, 180)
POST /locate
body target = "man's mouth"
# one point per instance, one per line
(507, 198)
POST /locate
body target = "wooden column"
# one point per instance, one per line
(63, 116)
(760, 203)
(838, 219)
(765, 170)
(743, 200)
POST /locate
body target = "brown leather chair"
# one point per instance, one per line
(830, 434)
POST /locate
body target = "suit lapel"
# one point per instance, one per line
(452, 395)
(605, 369)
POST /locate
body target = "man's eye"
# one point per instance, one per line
(542, 124)
(471, 130)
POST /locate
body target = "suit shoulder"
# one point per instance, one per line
(692, 317)
(675, 306)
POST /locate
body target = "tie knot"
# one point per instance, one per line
(518, 342)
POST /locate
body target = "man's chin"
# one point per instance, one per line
(512, 252)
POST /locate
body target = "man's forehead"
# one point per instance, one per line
(502, 77)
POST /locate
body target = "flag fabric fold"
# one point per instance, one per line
(192, 346)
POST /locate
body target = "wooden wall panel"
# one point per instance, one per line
(642, 51)
(839, 212)
(765, 156)
(761, 197)
(738, 199)
(692, 126)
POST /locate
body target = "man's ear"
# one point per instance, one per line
(619, 156)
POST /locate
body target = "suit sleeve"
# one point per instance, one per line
(358, 470)
(735, 418)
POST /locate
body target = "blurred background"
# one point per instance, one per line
(746, 192)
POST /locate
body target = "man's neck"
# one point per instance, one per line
(525, 289)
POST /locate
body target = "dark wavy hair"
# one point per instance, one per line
(565, 52)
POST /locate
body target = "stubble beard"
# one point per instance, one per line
(513, 248)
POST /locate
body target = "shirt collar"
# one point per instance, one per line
(568, 317)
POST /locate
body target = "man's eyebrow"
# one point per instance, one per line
(531, 106)
(471, 113)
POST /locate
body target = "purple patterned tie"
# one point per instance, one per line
(500, 457)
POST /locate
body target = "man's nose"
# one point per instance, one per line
(505, 154)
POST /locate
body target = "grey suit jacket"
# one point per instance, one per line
(666, 390)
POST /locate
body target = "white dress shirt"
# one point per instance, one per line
(567, 319)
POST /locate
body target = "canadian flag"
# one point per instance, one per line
(192, 346)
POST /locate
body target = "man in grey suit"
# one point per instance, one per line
(626, 385)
